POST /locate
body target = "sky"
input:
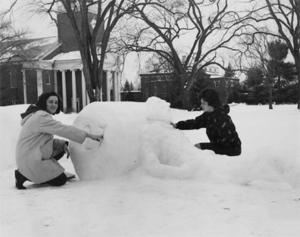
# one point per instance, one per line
(24, 18)
(147, 178)
(40, 25)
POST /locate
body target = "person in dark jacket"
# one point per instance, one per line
(220, 129)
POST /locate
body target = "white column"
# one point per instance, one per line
(87, 99)
(64, 92)
(83, 89)
(115, 83)
(74, 92)
(119, 85)
(39, 81)
(101, 93)
(55, 80)
(108, 85)
(24, 86)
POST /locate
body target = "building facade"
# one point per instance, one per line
(53, 64)
(162, 86)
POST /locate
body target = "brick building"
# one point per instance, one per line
(162, 86)
(53, 63)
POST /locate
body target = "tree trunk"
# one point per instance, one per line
(278, 90)
(88, 79)
(184, 92)
(186, 100)
(298, 87)
(270, 90)
(98, 94)
(297, 61)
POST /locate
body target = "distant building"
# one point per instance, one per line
(48, 64)
(157, 84)
(162, 85)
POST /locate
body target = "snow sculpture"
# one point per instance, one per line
(135, 135)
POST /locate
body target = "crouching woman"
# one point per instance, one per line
(37, 151)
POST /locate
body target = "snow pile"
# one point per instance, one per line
(10, 126)
(158, 110)
(135, 135)
(139, 135)
(255, 194)
(167, 153)
(275, 168)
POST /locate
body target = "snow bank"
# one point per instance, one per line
(138, 135)
(135, 135)
(270, 146)
(10, 126)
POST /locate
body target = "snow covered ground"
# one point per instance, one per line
(255, 194)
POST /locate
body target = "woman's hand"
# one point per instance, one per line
(95, 137)
(66, 149)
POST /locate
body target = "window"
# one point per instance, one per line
(12, 79)
(48, 79)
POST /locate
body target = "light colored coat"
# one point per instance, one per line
(35, 146)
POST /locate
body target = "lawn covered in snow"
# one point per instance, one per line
(255, 194)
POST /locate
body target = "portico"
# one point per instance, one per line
(67, 79)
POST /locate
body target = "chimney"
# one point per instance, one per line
(65, 32)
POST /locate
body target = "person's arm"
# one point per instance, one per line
(198, 122)
(49, 125)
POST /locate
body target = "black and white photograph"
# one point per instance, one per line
(150, 118)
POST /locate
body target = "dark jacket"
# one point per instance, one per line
(219, 127)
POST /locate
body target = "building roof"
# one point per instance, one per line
(46, 53)
(67, 56)
(33, 49)
(40, 48)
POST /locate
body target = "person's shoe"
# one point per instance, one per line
(20, 179)
(70, 175)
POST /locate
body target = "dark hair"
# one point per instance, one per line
(211, 96)
(42, 101)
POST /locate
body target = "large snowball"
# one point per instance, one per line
(135, 135)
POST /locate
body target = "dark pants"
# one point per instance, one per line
(58, 156)
(58, 181)
(61, 179)
(58, 153)
(229, 151)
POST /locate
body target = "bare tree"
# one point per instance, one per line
(93, 49)
(211, 27)
(10, 39)
(254, 55)
(286, 16)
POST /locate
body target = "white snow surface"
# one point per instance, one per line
(136, 135)
(147, 179)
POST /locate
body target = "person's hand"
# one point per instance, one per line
(198, 145)
(95, 137)
(67, 150)
(173, 124)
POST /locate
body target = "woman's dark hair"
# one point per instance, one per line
(211, 96)
(42, 101)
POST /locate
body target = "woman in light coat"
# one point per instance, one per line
(37, 151)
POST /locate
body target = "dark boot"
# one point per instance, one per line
(20, 179)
